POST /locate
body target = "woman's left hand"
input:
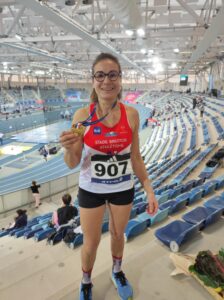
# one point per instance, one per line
(152, 204)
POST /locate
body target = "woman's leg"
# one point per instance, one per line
(119, 216)
(37, 199)
(91, 222)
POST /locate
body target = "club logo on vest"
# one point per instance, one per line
(111, 133)
(97, 130)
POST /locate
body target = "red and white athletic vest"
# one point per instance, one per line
(106, 166)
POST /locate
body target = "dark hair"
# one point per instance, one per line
(67, 198)
(33, 182)
(21, 212)
(100, 57)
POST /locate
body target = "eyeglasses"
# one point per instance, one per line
(112, 75)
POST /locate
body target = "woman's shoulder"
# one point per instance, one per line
(82, 112)
(131, 111)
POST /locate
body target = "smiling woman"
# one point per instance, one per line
(111, 154)
(104, 82)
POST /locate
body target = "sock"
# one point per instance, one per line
(117, 261)
(86, 276)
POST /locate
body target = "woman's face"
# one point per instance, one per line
(107, 89)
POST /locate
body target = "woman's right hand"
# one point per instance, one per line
(68, 139)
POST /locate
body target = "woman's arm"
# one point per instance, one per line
(138, 163)
(73, 143)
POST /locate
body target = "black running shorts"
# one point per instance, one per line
(91, 200)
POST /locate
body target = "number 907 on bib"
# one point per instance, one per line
(111, 169)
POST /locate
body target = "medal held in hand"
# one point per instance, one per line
(80, 127)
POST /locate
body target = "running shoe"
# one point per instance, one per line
(85, 292)
(124, 289)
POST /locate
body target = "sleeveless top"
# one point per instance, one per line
(106, 166)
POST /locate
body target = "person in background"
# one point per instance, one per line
(36, 195)
(19, 221)
(201, 108)
(65, 213)
(111, 154)
(194, 102)
(45, 152)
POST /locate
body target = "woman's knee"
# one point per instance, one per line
(117, 236)
(91, 245)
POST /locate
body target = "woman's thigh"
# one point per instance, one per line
(91, 222)
(119, 216)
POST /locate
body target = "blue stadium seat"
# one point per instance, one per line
(105, 226)
(216, 202)
(43, 234)
(176, 233)
(151, 220)
(195, 194)
(78, 240)
(203, 216)
(220, 182)
(134, 228)
(208, 187)
(173, 205)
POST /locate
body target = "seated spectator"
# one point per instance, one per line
(19, 221)
(65, 213)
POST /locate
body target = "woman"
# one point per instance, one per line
(36, 195)
(65, 213)
(19, 221)
(111, 149)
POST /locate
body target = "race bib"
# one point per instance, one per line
(110, 169)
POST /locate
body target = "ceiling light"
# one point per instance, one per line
(186, 52)
(140, 32)
(18, 36)
(151, 51)
(176, 50)
(174, 65)
(39, 72)
(143, 50)
(129, 32)
(155, 60)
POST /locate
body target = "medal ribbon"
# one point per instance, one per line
(87, 122)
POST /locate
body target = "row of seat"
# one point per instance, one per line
(164, 166)
(143, 220)
(193, 133)
(206, 135)
(182, 143)
(219, 128)
(161, 149)
(177, 232)
(179, 164)
(171, 146)
(180, 177)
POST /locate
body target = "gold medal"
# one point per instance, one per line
(80, 127)
(78, 130)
